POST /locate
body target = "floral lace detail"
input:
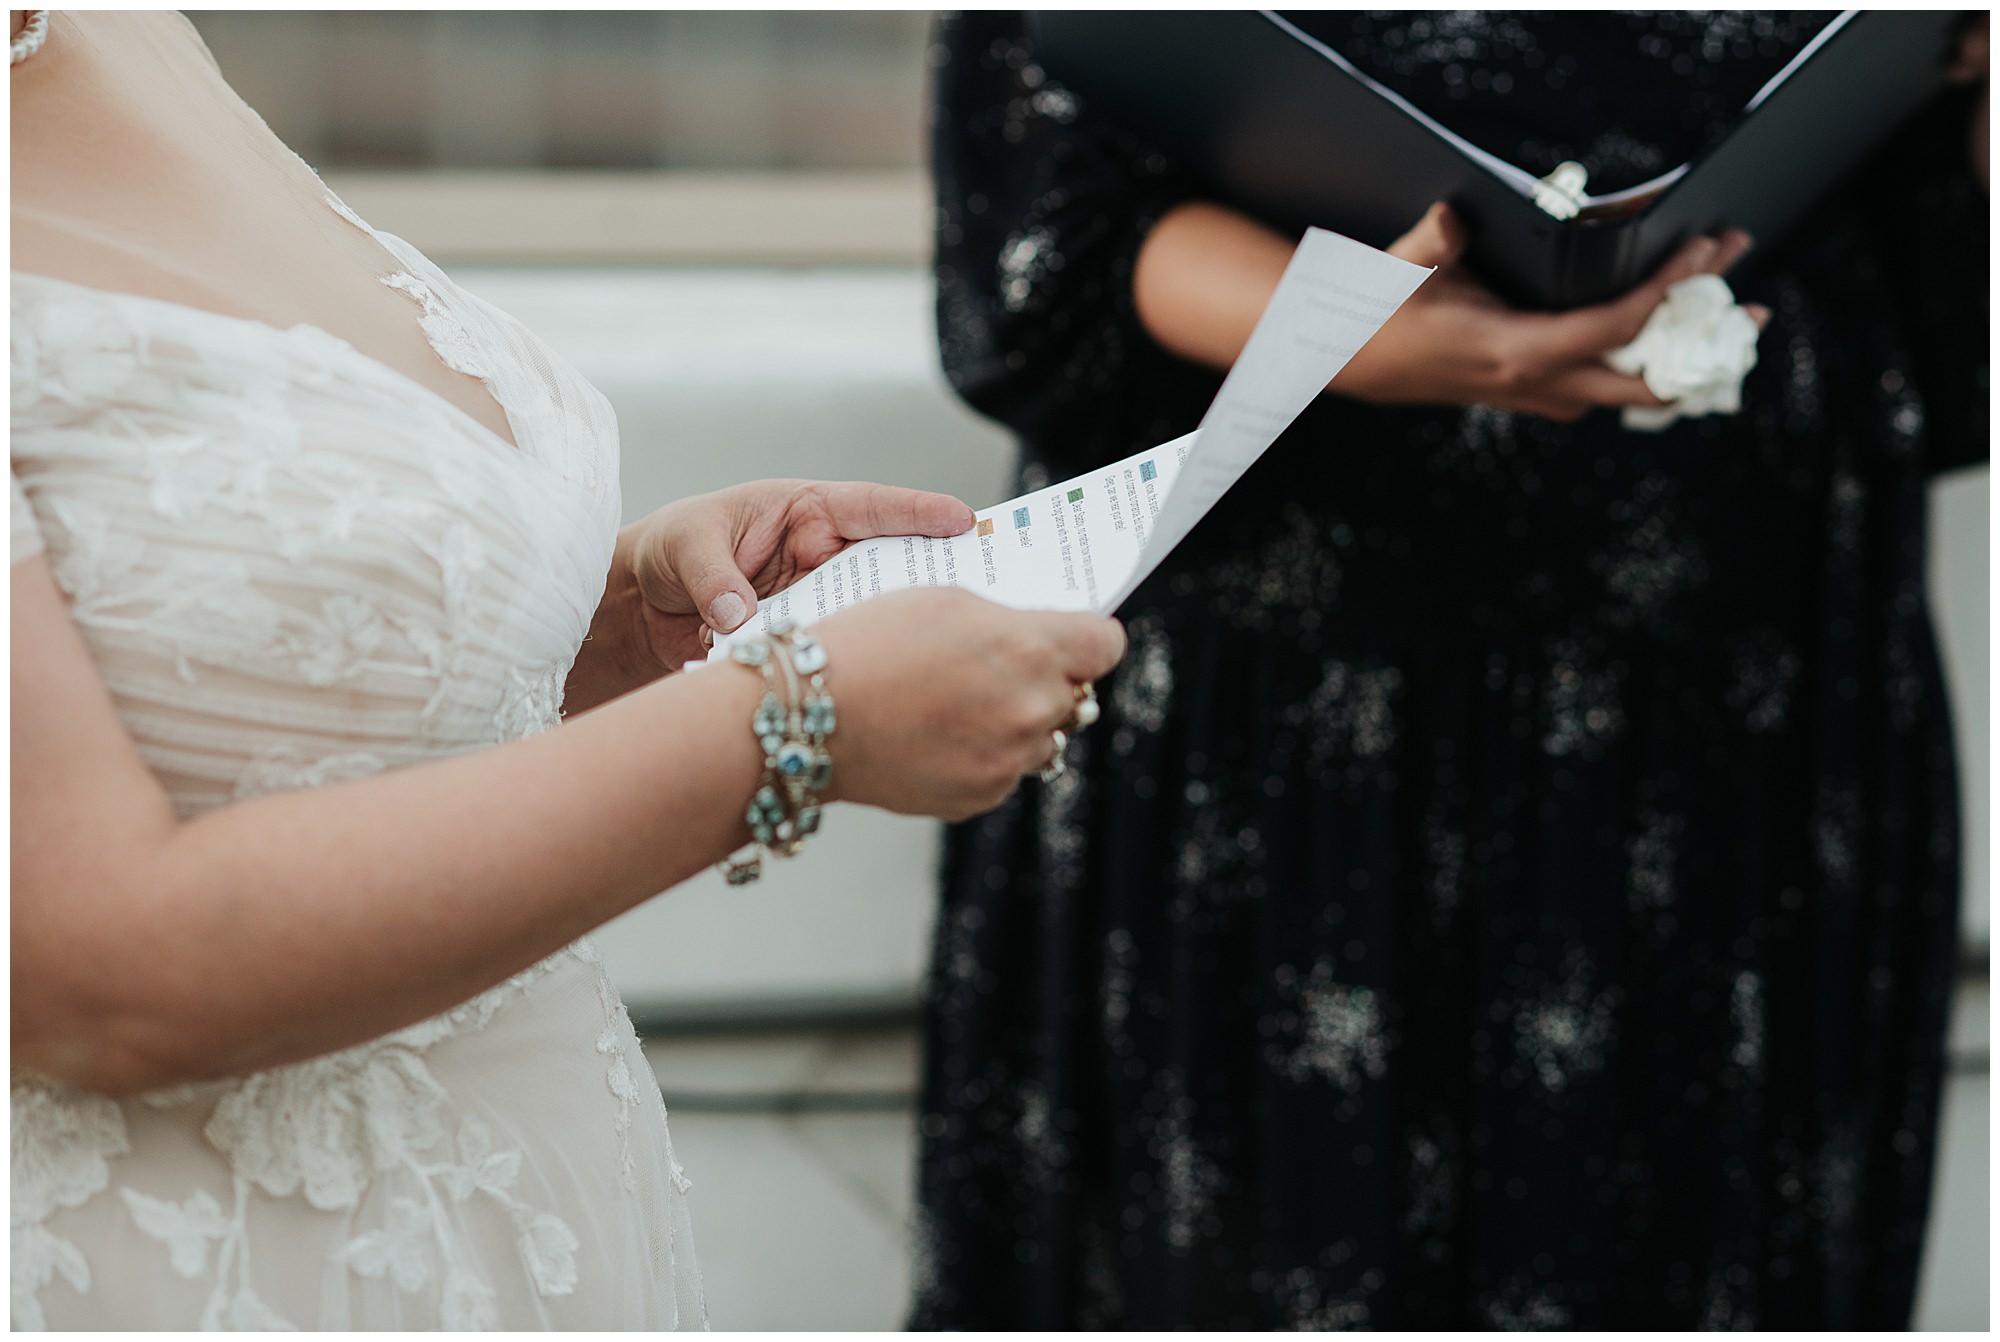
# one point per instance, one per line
(326, 1129)
(242, 541)
(461, 331)
(63, 1142)
(184, 1227)
(284, 768)
(415, 1247)
(38, 1258)
(618, 1067)
(476, 1013)
(533, 703)
(325, 1126)
(187, 1228)
(77, 356)
(447, 335)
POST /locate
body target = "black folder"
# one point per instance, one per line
(1280, 125)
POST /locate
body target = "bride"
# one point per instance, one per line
(342, 710)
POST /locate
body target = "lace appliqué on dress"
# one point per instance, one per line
(618, 1067)
(454, 346)
(415, 1247)
(63, 1142)
(186, 1228)
(326, 1129)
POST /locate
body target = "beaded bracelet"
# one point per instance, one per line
(791, 724)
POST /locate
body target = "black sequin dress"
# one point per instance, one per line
(1514, 882)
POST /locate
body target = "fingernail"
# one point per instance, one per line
(727, 611)
(1702, 250)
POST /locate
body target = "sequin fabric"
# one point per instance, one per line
(1514, 881)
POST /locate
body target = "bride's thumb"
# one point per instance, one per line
(720, 592)
(1437, 240)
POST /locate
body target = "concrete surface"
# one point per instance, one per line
(802, 1218)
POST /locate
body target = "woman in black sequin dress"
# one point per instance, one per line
(1514, 882)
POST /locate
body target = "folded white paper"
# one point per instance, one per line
(1086, 543)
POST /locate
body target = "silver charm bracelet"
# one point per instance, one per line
(791, 724)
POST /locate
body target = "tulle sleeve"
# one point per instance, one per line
(1042, 208)
(25, 534)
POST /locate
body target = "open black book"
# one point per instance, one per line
(1279, 124)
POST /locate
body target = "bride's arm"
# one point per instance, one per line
(149, 950)
(146, 950)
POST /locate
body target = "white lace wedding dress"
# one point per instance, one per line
(295, 565)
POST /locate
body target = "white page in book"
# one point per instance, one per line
(1087, 543)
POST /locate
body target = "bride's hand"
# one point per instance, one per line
(704, 561)
(944, 700)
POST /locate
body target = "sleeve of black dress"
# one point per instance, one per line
(1041, 212)
(1932, 217)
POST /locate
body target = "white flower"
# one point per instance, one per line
(63, 1142)
(618, 1076)
(399, 1250)
(85, 353)
(328, 1124)
(468, 1304)
(188, 475)
(37, 1258)
(184, 1227)
(1693, 352)
(62, 1146)
(284, 767)
(482, 1167)
(548, 1246)
(340, 642)
(101, 559)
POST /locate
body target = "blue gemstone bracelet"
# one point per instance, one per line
(791, 725)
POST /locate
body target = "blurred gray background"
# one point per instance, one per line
(721, 218)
